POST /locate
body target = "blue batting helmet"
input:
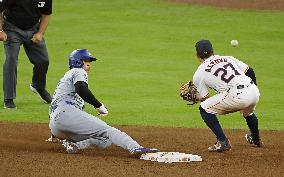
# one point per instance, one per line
(77, 56)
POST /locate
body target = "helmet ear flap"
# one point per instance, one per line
(76, 64)
(79, 63)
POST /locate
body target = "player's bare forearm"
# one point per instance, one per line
(43, 23)
(199, 98)
(37, 37)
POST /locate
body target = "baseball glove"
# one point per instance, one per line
(188, 92)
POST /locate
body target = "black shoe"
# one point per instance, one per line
(9, 104)
(43, 94)
(220, 146)
(251, 140)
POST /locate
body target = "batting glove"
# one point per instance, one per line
(102, 110)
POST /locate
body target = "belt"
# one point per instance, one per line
(73, 104)
(243, 86)
(55, 106)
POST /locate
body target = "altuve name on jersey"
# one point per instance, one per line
(214, 62)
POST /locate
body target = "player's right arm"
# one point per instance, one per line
(246, 69)
(250, 73)
(85, 93)
(80, 82)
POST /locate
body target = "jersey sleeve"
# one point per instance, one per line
(2, 5)
(242, 66)
(80, 75)
(47, 8)
(200, 85)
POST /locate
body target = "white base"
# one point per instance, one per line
(170, 157)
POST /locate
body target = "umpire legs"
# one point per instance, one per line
(38, 56)
(12, 48)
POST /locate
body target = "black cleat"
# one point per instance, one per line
(9, 104)
(251, 140)
(42, 93)
(220, 146)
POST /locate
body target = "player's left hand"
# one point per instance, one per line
(188, 92)
(37, 37)
(102, 110)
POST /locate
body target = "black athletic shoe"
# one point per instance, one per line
(43, 94)
(251, 140)
(220, 146)
(9, 104)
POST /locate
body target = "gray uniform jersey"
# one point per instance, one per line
(65, 89)
(69, 121)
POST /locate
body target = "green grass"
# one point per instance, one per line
(146, 49)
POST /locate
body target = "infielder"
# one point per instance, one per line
(71, 125)
(235, 84)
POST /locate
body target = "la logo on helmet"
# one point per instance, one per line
(40, 4)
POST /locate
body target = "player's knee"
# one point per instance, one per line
(202, 112)
(106, 143)
(11, 60)
(112, 130)
(205, 115)
(107, 131)
(247, 114)
(44, 63)
(41, 63)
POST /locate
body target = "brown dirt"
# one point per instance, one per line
(24, 152)
(240, 4)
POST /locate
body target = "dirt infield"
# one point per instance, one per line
(24, 152)
(240, 4)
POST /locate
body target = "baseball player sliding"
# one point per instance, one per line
(235, 83)
(71, 125)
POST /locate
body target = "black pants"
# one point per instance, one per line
(37, 54)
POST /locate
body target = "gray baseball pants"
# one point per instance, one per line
(37, 54)
(73, 124)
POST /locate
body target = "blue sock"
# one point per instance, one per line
(252, 123)
(213, 123)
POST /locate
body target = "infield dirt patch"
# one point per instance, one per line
(24, 152)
